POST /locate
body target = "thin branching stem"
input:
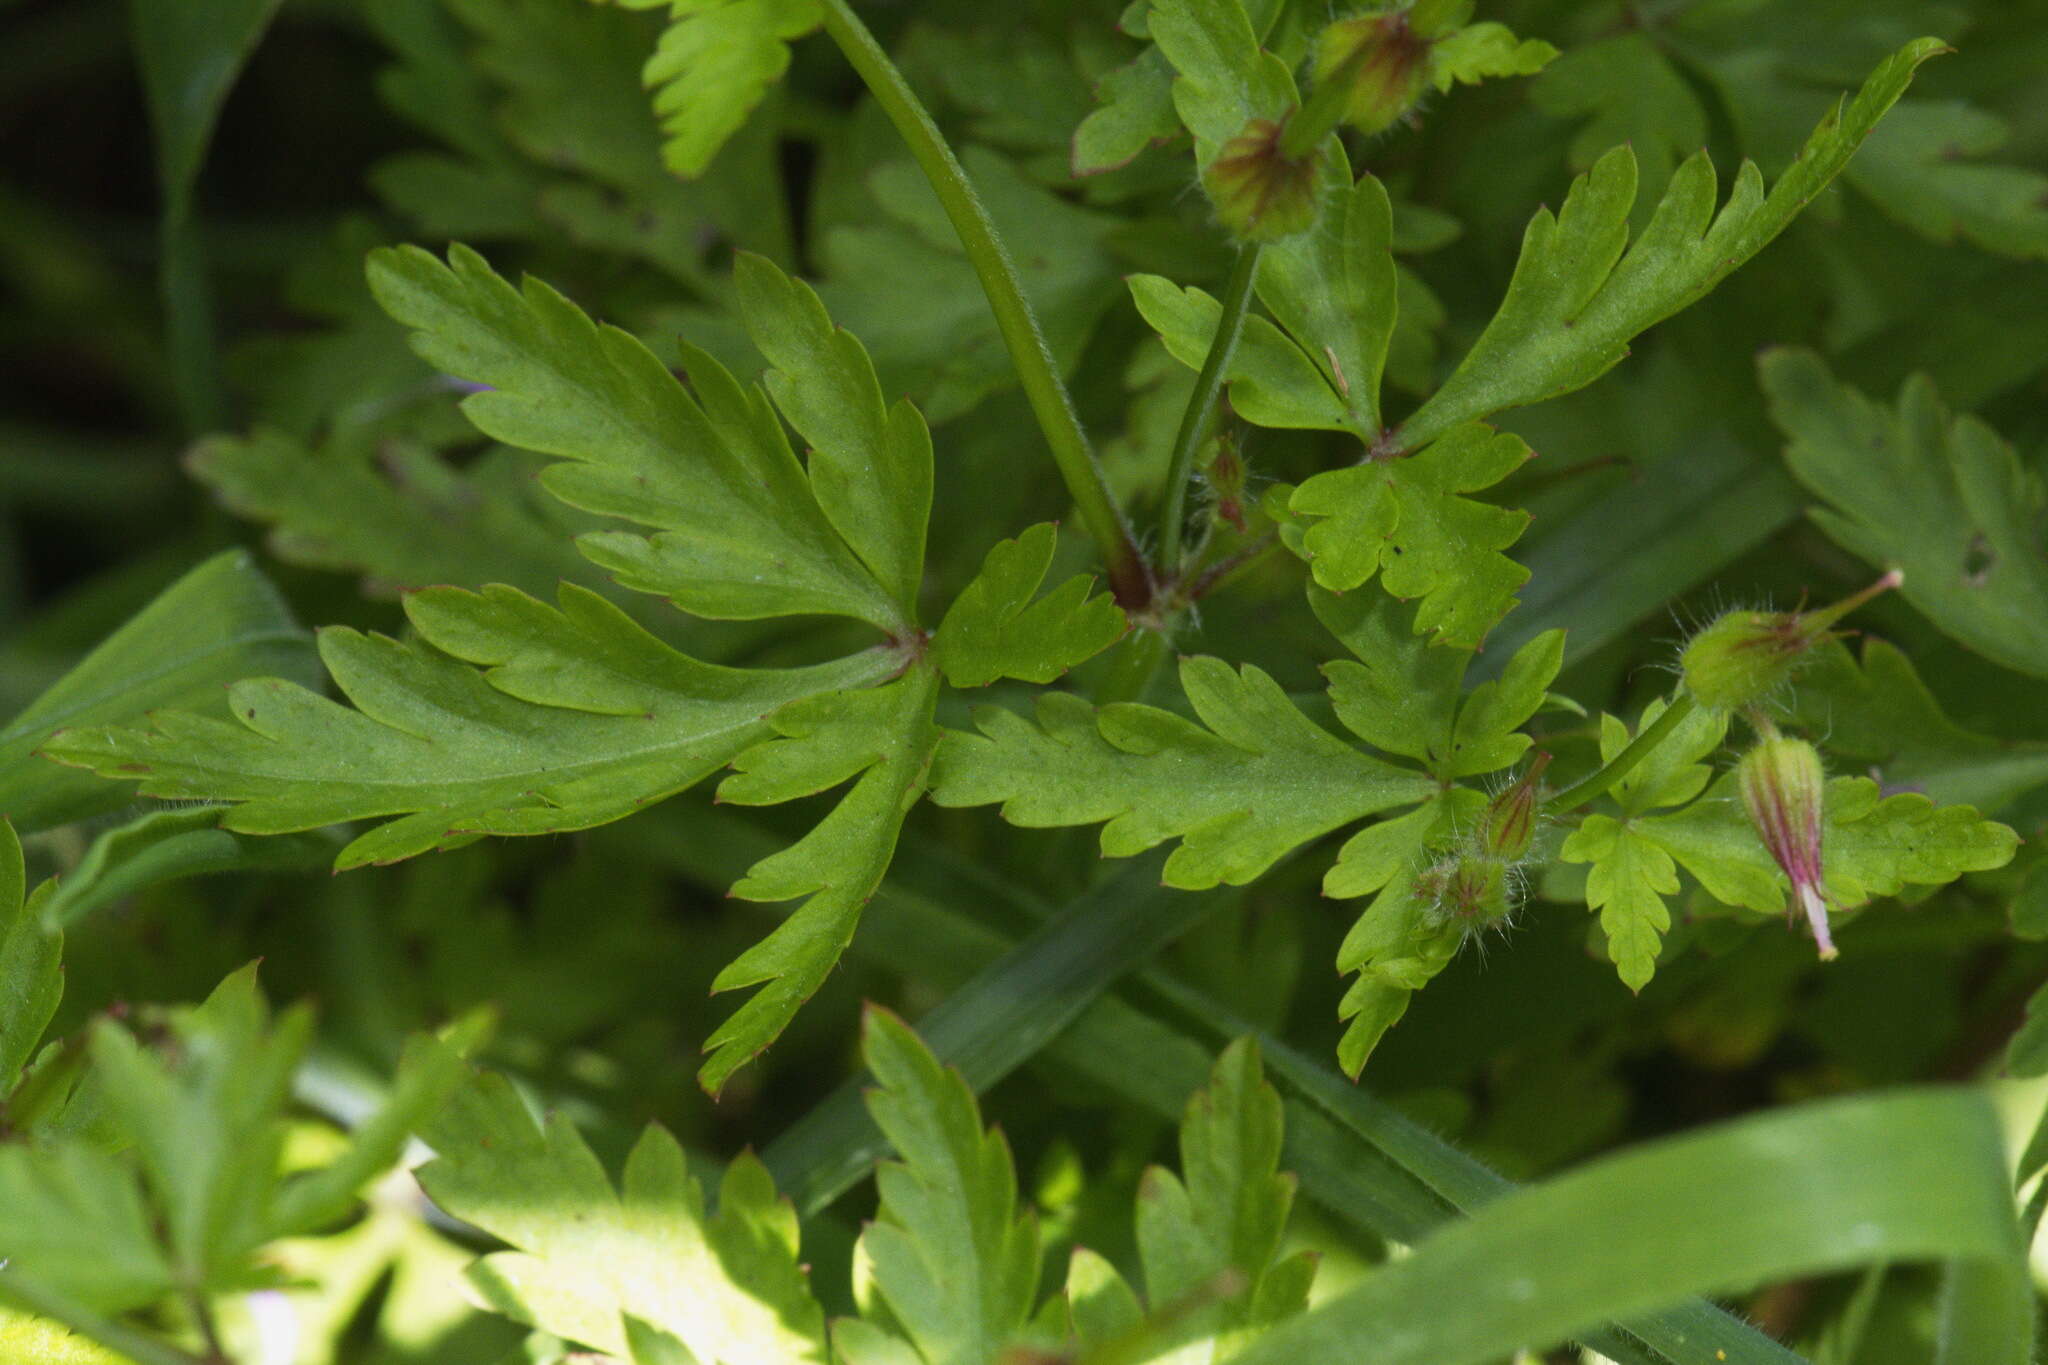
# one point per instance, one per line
(1607, 774)
(1194, 422)
(1129, 576)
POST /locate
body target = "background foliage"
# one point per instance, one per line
(217, 430)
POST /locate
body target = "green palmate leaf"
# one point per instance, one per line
(995, 630)
(1404, 696)
(1944, 499)
(716, 61)
(80, 1228)
(885, 739)
(1627, 91)
(1225, 79)
(221, 621)
(1581, 290)
(742, 532)
(1259, 780)
(951, 1258)
(1215, 1231)
(1920, 170)
(1406, 518)
(1902, 1177)
(31, 964)
(583, 718)
(588, 1260)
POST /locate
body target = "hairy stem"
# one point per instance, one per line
(1623, 763)
(1194, 423)
(1129, 577)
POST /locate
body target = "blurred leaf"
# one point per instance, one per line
(1945, 499)
(166, 845)
(1900, 1177)
(31, 964)
(220, 622)
(1922, 169)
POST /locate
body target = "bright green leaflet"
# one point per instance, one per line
(220, 622)
(885, 739)
(1409, 521)
(952, 1256)
(995, 629)
(1943, 498)
(1253, 780)
(587, 1258)
(1581, 291)
(715, 62)
(1225, 78)
(1900, 1177)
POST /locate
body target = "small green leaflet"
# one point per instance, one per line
(589, 1262)
(1397, 946)
(1137, 112)
(1404, 696)
(1273, 383)
(1944, 498)
(742, 528)
(1922, 168)
(995, 630)
(884, 737)
(951, 1256)
(1259, 780)
(1873, 845)
(715, 62)
(1581, 290)
(1479, 52)
(1407, 518)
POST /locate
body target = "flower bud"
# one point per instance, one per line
(1469, 889)
(1261, 194)
(1511, 816)
(1381, 63)
(1225, 475)
(1783, 789)
(1744, 656)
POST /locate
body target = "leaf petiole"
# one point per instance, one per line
(1194, 422)
(1622, 764)
(1129, 577)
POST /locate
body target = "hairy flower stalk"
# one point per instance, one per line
(1783, 789)
(1744, 656)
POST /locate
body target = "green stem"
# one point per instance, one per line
(1128, 576)
(1194, 422)
(1623, 763)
